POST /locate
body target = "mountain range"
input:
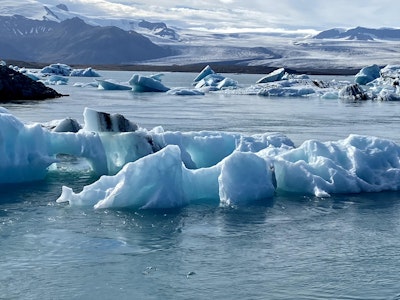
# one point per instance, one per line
(59, 35)
(73, 41)
(361, 33)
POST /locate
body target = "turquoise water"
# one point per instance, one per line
(291, 247)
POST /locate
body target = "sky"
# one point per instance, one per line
(234, 15)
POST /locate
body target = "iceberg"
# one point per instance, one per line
(142, 84)
(367, 74)
(160, 180)
(205, 72)
(55, 80)
(88, 72)
(158, 169)
(207, 78)
(57, 69)
(391, 72)
(66, 70)
(143, 169)
(185, 92)
(353, 92)
(110, 85)
(276, 75)
(356, 164)
(371, 83)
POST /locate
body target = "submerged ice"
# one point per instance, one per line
(142, 168)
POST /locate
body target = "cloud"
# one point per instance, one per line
(316, 14)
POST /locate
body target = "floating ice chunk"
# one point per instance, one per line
(85, 84)
(55, 80)
(389, 94)
(205, 72)
(367, 74)
(23, 151)
(298, 91)
(104, 122)
(353, 92)
(88, 72)
(147, 84)
(391, 71)
(353, 165)
(110, 85)
(185, 92)
(330, 95)
(227, 83)
(244, 178)
(160, 180)
(211, 80)
(273, 76)
(57, 69)
(155, 181)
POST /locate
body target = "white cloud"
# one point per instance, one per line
(317, 14)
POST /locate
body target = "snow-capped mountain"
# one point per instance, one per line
(37, 32)
(61, 12)
(73, 41)
(361, 33)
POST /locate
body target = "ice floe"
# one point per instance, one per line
(142, 168)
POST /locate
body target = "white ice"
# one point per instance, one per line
(367, 74)
(273, 76)
(142, 83)
(111, 85)
(88, 72)
(149, 169)
(57, 69)
(66, 70)
(372, 83)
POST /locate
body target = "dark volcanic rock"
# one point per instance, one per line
(16, 86)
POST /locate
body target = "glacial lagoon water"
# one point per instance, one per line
(289, 247)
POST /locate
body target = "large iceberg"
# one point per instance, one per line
(157, 169)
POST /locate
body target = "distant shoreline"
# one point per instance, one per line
(219, 67)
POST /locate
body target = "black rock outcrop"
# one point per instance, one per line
(16, 86)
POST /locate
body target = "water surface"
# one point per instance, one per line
(290, 247)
